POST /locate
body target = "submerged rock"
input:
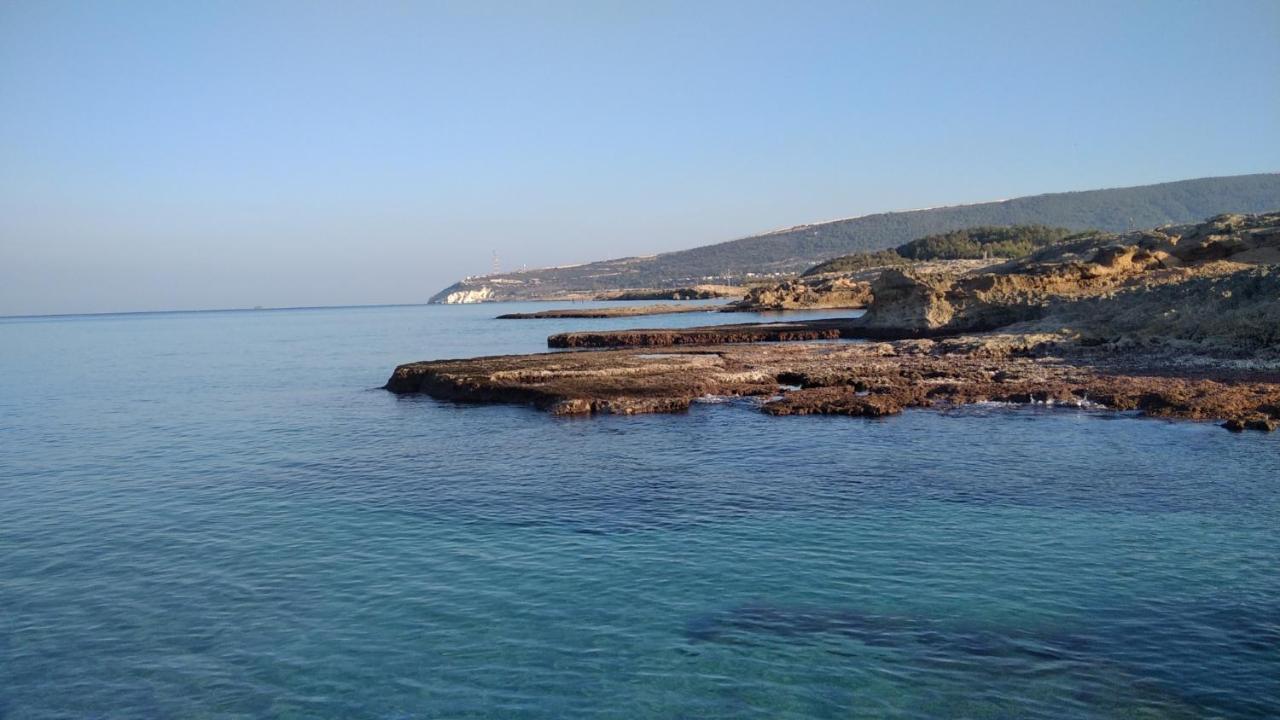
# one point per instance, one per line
(1260, 422)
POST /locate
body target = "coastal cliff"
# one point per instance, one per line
(458, 295)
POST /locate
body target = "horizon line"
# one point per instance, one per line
(208, 310)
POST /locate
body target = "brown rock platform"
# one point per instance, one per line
(832, 329)
(860, 379)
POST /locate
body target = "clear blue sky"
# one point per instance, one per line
(218, 154)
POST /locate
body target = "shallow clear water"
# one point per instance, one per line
(220, 515)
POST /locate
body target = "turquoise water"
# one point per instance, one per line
(220, 515)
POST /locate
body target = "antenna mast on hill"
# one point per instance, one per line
(495, 268)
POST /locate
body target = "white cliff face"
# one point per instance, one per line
(465, 297)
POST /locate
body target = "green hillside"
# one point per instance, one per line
(980, 242)
(795, 249)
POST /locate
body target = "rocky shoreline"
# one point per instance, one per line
(1177, 322)
(833, 329)
(632, 311)
(858, 379)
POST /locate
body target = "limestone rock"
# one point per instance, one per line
(798, 294)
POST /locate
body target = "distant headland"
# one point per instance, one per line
(778, 254)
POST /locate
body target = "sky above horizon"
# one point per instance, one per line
(210, 155)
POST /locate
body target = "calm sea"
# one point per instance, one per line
(214, 515)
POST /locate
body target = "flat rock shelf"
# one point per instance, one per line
(860, 379)
(710, 335)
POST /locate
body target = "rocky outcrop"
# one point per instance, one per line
(910, 302)
(862, 379)
(801, 294)
(848, 290)
(1236, 315)
(1083, 286)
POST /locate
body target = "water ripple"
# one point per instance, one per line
(219, 520)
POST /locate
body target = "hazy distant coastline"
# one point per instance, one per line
(780, 253)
